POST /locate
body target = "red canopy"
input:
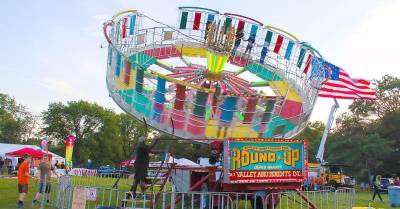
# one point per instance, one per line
(29, 151)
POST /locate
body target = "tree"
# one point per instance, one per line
(78, 118)
(82, 119)
(189, 150)
(313, 134)
(364, 154)
(9, 128)
(180, 148)
(367, 137)
(130, 130)
(17, 125)
(101, 135)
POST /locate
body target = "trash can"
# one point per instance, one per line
(394, 196)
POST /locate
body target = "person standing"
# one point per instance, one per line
(312, 182)
(1, 165)
(57, 164)
(264, 52)
(321, 181)
(207, 31)
(396, 181)
(377, 188)
(141, 165)
(216, 99)
(238, 39)
(251, 40)
(307, 184)
(45, 168)
(23, 180)
(62, 166)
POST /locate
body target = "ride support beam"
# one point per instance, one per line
(309, 203)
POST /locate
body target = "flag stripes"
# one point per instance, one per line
(341, 86)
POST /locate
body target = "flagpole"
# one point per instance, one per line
(321, 149)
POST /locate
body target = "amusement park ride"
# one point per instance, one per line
(224, 79)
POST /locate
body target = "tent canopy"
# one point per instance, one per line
(29, 151)
(179, 162)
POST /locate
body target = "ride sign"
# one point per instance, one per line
(265, 160)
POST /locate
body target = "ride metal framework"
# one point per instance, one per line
(191, 75)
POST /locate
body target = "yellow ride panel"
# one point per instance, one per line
(192, 51)
(121, 85)
(281, 88)
(237, 130)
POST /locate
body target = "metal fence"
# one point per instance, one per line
(329, 198)
(65, 194)
(104, 180)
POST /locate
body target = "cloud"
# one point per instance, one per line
(369, 52)
(372, 50)
(61, 87)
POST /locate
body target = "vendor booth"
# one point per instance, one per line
(36, 155)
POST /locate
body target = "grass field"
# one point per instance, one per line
(9, 195)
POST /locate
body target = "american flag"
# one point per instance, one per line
(340, 85)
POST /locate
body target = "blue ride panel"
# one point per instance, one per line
(159, 99)
(262, 72)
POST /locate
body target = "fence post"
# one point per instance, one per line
(334, 200)
(42, 185)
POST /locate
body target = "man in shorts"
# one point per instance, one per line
(23, 180)
(45, 168)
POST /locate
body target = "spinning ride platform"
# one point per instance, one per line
(211, 76)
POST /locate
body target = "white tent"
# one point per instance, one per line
(4, 148)
(183, 162)
(177, 161)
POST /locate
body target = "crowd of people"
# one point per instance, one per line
(238, 38)
(315, 183)
(44, 179)
(6, 166)
(43, 176)
(59, 165)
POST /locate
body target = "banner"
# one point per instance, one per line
(265, 161)
(69, 148)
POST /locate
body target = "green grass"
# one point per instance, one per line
(363, 199)
(9, 194)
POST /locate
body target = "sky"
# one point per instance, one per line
(51, 49)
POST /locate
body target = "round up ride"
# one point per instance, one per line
(225, 79)
(211, 76)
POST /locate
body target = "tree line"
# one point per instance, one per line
(366, 137)
(103, 136)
